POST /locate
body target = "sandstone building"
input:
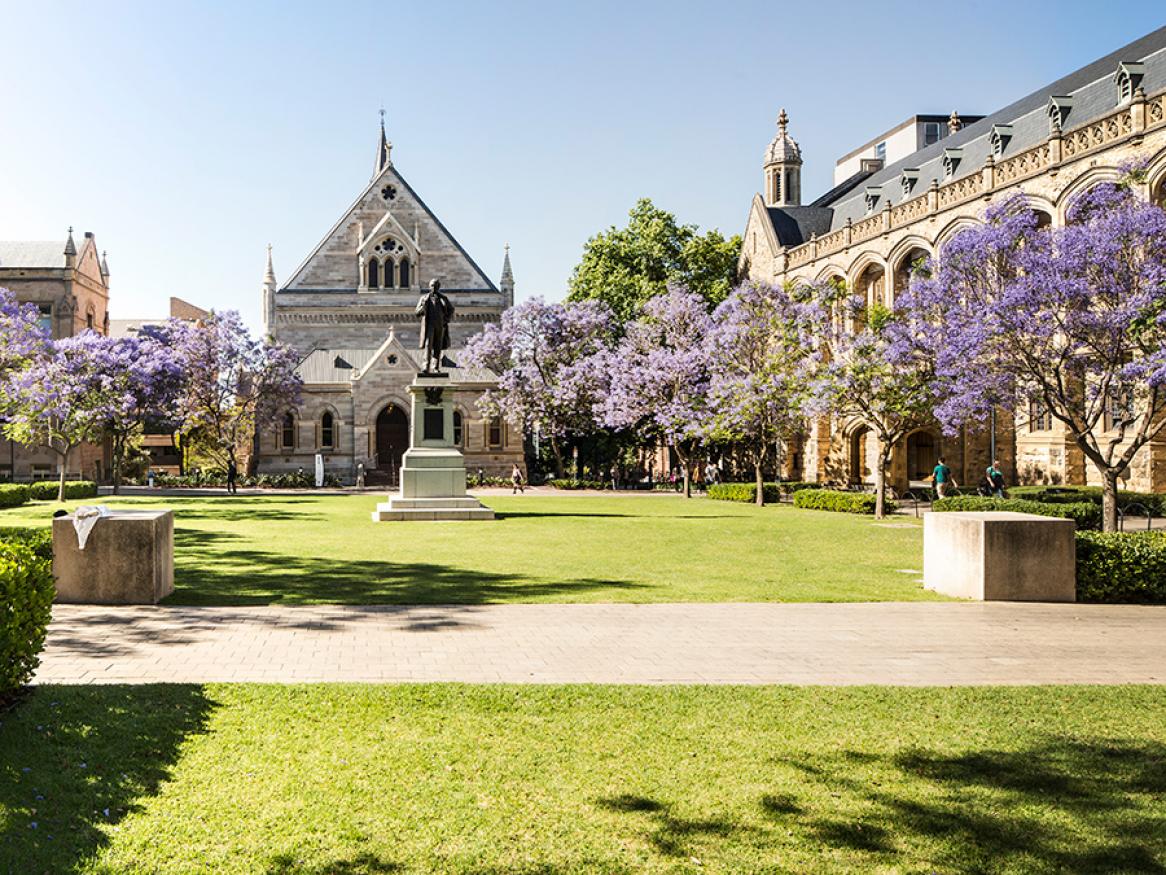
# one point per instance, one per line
(348, 309)
(69, 284)
(900, 197)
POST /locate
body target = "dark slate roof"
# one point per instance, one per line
(1095, 95)
(795, 225)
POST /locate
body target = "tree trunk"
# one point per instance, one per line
(61, 480)
(558, 453)
(881, 483)
(684, 470)
(760, 480)
(118, 452)
(1109, 499)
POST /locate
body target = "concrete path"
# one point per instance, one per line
(879, 643)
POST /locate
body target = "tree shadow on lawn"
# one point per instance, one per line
(362, 863)
(1063, 805)
(76, 760)
(210, 572)
(239, 510)
(518, 514)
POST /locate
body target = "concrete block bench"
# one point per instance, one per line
(1000, 556)
(128, 559)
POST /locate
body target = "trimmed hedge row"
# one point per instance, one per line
(26, 598)
(1152, 501)
(841, 502)
(46, 490)
(1085, 514)
(579, 484)
(13, 494)
(747, 492)
(1121, 567)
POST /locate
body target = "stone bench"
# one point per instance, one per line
(128, 559)
(1000, 556)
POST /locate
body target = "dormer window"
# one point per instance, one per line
(873, 193)
(951, 161)
(1001, 135)
(1058, 109)
(909, 179)
(1128, 77)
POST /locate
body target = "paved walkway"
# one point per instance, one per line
(881, 643)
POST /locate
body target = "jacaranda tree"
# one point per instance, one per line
(21, 336)
(659, 375)
(233, 385)
(1071, 321)
(549, 380)
(758, 354)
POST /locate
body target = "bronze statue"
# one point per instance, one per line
(435, 311)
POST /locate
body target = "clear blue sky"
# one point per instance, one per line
(188, 136)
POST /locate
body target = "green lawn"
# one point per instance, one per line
(451, 778)
(303, 549)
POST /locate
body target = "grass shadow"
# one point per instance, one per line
(364, 863)
(671, 834)
(75, 761)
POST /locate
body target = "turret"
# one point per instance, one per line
(783, 168)
(507, 283)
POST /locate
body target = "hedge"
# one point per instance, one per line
(1121, 567)
(26, 598)
(1152, 501)
(13, 494)
(579, 484)
(46, 490)
(1085, 514)
(842, 502)
(40, 541)
(743, 492)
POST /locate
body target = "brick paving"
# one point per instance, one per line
(875, 643)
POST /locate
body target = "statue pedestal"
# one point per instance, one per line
(433, 473)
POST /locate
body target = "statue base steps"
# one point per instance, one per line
(447, 508)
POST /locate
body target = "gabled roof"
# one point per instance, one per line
(796, 225)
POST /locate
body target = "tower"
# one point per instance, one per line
(506, 285)
(783, 168)
(269, 296)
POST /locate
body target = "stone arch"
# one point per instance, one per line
(830, 271)
(1156, 179)
(1091, 177)
(868, 281)
(923, 448)
(373, 409)
(326, 410)
(861, 448)
(903, 259)
(952, 228)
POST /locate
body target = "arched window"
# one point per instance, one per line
(457, 428)
(404, 269)
(287, 434)
(1043, 219)
(89, 320)
(908, 265)
(374, 274)
(327, 431)
(494, 433)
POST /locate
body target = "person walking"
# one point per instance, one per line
(942, 480)
(232, 476)
(516, 480)
(994, 479)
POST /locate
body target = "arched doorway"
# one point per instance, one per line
(392, 439)
(922, 455)
(864, 456)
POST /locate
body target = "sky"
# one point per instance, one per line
(187, 137)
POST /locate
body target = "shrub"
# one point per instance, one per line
(13, 494)
(1121, 567)
(1154, 502)
(1085, 514)
(744, 492)
(841, 502)
(26, 598)
(578, 484)
(46, 490)
(40, 541)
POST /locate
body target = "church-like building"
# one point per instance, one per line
(901, 196)
(349, 310)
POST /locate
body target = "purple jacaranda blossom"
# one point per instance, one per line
(759, 357)
(22, 337)
(1070, 321)
(659, 375)
(232, 385)
(548, 358)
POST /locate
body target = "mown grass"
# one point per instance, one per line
(305, 549)
(461, 779)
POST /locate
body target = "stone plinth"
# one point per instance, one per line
(433, 471)
(1000, 556)
(128, 559)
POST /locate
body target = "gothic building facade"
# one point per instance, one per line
(901, 197)
(348, 309)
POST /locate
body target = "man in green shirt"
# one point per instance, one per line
(942, 480)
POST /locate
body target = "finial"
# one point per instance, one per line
(782, 121)
(506, 246)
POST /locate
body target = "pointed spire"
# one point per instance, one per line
(104, 265)
(70, 246)
(269, 274)
(268, 296)
(507, 284)
(384, 150)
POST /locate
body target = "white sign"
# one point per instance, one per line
(319, 470)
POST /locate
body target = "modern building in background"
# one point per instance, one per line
(890, 207)
(349, 310)
(69, 284)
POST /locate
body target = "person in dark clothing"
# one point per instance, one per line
(232, 476)
(994, 479)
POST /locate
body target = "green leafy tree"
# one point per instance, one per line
(626, 267)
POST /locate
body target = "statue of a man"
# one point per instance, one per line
(435, 311)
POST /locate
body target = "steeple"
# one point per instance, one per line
(783, 168)
(384, 150)
(269, 287)
(104, 267)
(507, 283)
(70, 246)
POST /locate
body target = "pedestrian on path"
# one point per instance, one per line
(516, 480)
(232, 477)
(994, 479)
(942, 480)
